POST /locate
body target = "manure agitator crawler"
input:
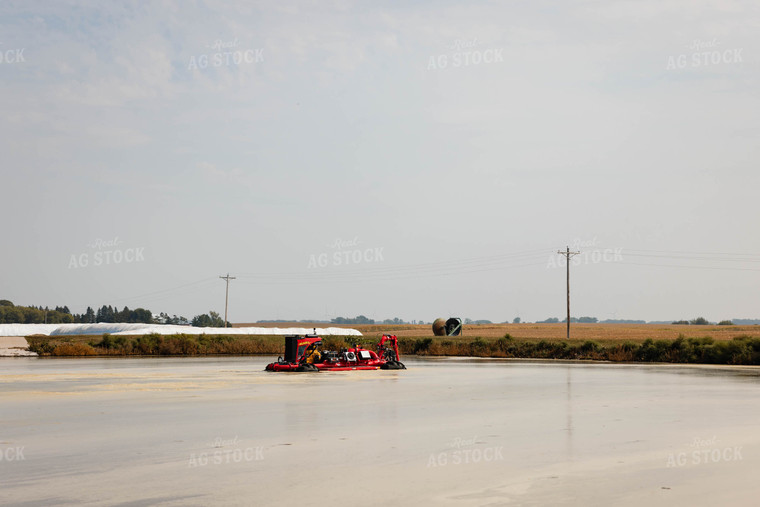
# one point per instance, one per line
(303, 353)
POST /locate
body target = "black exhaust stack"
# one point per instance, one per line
(291, 348)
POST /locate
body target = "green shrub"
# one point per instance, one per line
(148, 344)
(422, 345)
(653, 351)
(479, 347)
(41, 345)
(107, 342)
(590, 346)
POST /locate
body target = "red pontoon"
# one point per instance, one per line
(302, 353)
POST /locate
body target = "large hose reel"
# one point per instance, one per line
(450, 327)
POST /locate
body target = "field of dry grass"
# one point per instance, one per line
(604, 333)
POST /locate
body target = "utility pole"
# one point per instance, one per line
(568, 255)
(227, 295)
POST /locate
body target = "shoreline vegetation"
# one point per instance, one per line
(742, 349)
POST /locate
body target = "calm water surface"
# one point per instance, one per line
(221, 431)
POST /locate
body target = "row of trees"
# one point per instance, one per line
(164, 318)
(110, 314)
(210, 319)
(701, 321)
(12, 314)
(361, 319)
(581, 320)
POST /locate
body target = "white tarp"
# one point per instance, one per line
(132, 329)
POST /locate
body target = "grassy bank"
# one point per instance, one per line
(155, 345)
(738, 351)
(741, 350)
(170, 345)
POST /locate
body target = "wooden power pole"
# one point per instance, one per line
(226, 295)
(568, 255)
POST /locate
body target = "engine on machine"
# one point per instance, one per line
(304, 353)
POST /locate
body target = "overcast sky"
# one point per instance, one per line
(394, 159)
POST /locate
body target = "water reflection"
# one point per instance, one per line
(569, 405)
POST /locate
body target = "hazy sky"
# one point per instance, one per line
(395, 159)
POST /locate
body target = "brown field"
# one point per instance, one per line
(578, 332)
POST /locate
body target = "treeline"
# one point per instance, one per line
(701, 321)
(698, 321)
(12, 314)
(210, 319)
(110, 314)
(577, 320)
(745, 322)
(305, 321)
(361, 319)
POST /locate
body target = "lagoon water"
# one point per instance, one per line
(221, 431)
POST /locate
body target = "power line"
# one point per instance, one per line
(474, 265)
(719, 268)
(372, 276)
(226, 295)
(693, 257)
(694, 253)
(162, 291)
(568, 255)
(160, 294)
